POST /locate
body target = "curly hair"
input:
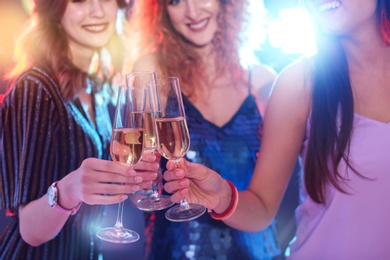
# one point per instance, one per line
(44, 44)
(150, 31)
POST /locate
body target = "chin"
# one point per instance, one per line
(201, 44)
(98, 43)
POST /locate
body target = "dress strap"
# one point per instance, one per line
(250, 81)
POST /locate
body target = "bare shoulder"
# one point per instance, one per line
(146, 62)
(296, 77)
(262, 79)
(262, 76)
(292, 90)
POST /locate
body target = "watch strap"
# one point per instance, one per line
(67, 211)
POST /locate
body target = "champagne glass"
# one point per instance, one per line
(154, 201)
(173, 139)
(126, 148)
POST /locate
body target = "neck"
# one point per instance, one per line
(206, 53)
(364, 46)
(81, 58)
(370, 53)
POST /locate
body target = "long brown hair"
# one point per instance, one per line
(151, 31)
(332, 98)
(43, 44)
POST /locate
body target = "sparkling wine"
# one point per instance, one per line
(173, 138)
(149, 137)
(126, 145)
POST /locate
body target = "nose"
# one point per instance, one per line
(96, 8)
(192, 9)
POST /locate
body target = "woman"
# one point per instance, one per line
(55, 133)
(335, 108)
(198, 41)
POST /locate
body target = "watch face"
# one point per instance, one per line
(51, 196)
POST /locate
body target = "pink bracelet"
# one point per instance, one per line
(232, 207)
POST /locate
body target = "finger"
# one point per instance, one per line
(108, 166)
(194, 170)
(117, 188)
(147, 176)
(125, 170)
(171, 165)
(191, 170)
(110, 177)
(98, 199)
(145, 184)
(147, 166)
(178, 196)
(174, 186)
(149, 157)
(139, 179)
(111, 188)
(175, 174)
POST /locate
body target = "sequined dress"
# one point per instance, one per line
(230, 150)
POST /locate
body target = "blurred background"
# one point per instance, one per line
(278, 33)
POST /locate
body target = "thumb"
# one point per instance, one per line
(171, 165)
(194, 170)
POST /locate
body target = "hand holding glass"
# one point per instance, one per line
(126, 148)
(154, 201)
(173, 139)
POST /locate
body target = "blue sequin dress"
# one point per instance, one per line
(230, 150)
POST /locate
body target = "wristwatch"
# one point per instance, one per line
(52, 200)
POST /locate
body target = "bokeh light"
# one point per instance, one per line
(254, 34)
(292, 32)
(27, 5)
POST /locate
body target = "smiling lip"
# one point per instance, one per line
(199, 25)
(96, 28)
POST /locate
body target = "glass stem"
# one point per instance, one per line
(184, 204)
(118, 223)
(155, 196)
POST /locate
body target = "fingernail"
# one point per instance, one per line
(131, 172)
(138, 179)
(135, 188)
(183, 183)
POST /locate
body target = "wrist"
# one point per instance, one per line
(229, 204)
(225, 197)
(66, 194)
(58, 199)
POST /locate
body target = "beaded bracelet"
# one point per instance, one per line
(232, 207)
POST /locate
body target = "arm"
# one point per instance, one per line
(284, 130)
(40, 223)
(24, 167)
